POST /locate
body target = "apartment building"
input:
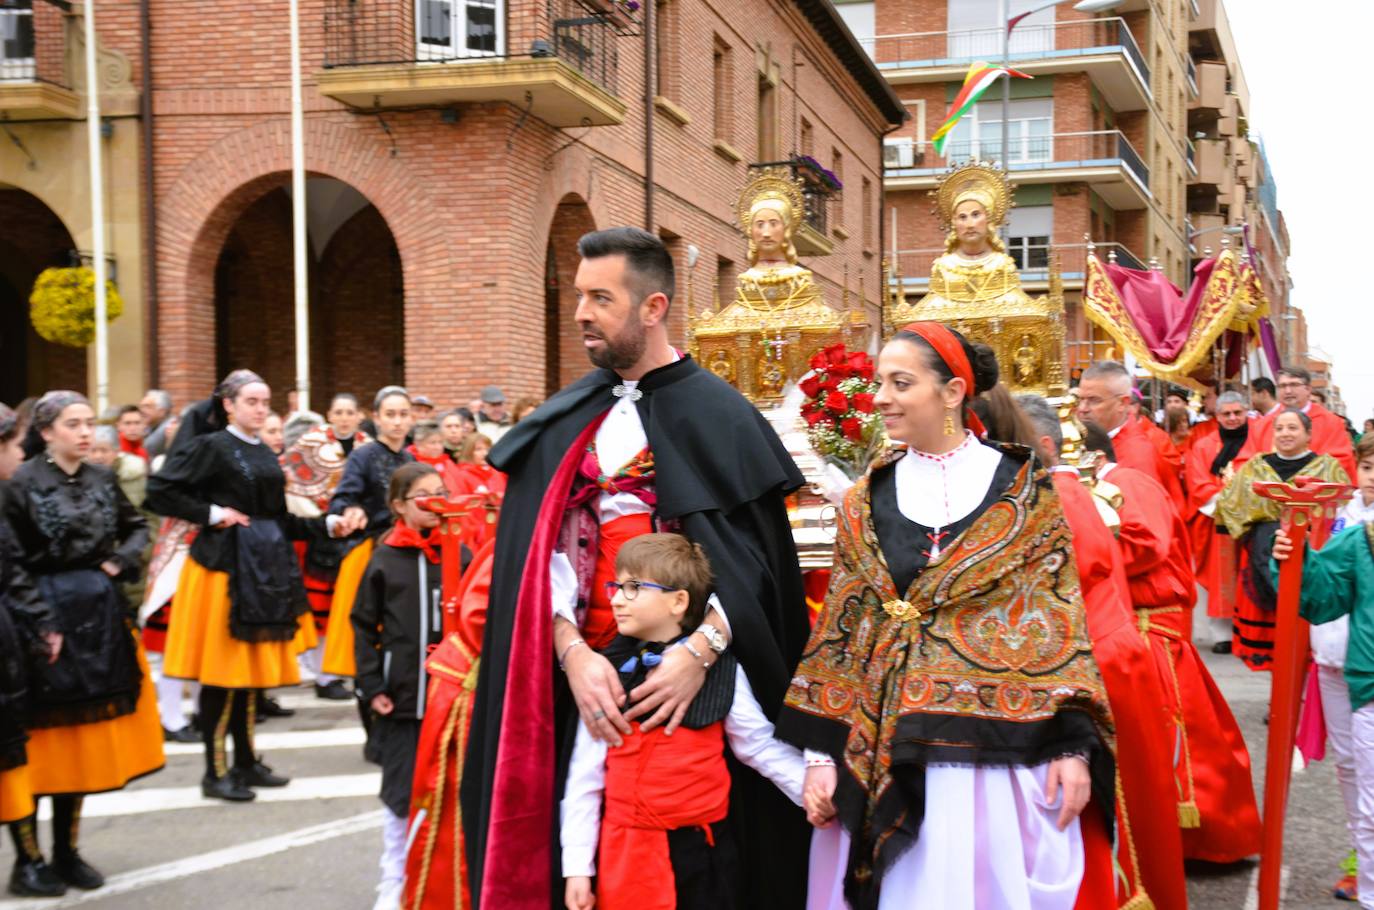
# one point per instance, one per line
(455, 150)
(1101, 140)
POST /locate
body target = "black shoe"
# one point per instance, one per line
(259, 775)
(76, 872)
(1221, 647)
(270, 707)
(36, 879)
(335, 691)
(184, 735)
(226, 788)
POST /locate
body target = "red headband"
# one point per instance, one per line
(949, 349)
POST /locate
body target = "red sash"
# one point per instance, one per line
(655, 784)
(598, 628)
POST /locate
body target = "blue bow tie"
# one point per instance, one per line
(650, 659)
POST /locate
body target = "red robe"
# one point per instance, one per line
(1136, 447)
(1148, 840)
(1329, 437)
(1216, 795)
(466, 478)
(1200, 486)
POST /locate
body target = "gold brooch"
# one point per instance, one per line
(901, 610)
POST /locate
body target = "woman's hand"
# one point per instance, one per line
(355, 519)
(596, 689)
(1283, 545)
(382, 704)
(110, 568)
(577, 893)
(54, 642)
(230, 517)
(668, 691)
(818, 794)
(1069, 774)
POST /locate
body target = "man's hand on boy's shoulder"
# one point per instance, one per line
(577, 893)
(598, 693)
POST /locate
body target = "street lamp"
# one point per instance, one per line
(1083, 6)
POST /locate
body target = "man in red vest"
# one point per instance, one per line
(1329, 436)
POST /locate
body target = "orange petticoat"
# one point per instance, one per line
(338, 640)
(200, 647)
(16, 794)
(99, 756)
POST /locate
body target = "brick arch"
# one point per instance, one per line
(565, 358)
(197, 212)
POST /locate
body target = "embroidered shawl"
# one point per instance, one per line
(1240, 508)
(985, 660)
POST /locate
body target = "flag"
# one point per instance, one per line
(980, 78)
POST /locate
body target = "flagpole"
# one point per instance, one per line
(1003, 11)
(298, 234)
(101, 267)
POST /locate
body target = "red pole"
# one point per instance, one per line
(451, 513)
(1307, 507)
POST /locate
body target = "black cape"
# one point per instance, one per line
(722, 471)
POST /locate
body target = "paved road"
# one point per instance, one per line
(315, 844)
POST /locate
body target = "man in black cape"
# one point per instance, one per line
(719, 475)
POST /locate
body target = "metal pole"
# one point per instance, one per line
(102, 340)
(298, 238)
(1003, 15)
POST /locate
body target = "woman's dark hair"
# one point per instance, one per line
(1175, 419)
(470, 444)
(980, 357)
(10, 424)
(403, 478)
(1306, 421)
(1003, 417)
(344, 396)
(648, 264)
(386, 392)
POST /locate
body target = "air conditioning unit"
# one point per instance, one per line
(899, 153)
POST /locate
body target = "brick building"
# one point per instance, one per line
(455, 150)
(1098, 140)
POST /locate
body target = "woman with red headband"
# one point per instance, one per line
(953, 715)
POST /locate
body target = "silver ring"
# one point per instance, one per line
(598, 714)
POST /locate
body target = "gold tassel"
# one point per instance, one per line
(949, 424)
(1189, 816)
(1140, 902)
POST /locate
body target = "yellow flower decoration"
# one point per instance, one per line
(62, 306)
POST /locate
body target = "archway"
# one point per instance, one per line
(564, 356)
(32, 238)
(357, 316)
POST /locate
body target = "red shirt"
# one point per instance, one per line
(133, 448)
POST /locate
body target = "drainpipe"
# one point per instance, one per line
(145, 104)
(650, 89)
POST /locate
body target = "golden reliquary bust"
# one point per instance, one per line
(975, 287)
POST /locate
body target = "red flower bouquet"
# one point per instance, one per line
(842, 423)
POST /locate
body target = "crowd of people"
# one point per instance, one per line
(1000, 704)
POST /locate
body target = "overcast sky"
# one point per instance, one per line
(1307, 66)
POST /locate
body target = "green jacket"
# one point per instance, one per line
(1339, 579)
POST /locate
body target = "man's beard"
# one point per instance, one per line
(624, 350)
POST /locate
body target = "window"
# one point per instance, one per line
(721, 82)
(456, 29)
(837, 168)
(975, 32)
(859, 16)
(1029, 133)
(868, 214)
(768, 120)
(725, 282)
(16, 42)
(1028, 233)
(807, 141)
(665, 46)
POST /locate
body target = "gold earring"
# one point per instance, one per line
(949, 423)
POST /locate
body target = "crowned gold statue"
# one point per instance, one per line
(975, 287)
(762, 339)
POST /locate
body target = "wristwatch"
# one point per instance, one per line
(714, 637)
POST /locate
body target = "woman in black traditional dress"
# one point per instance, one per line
(93, 722)
(239, 604)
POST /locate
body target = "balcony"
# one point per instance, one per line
(812, 237)
(1214, 165)
(1033, 260)
(1103, 48)
(1103, 159)
(33, 48)
(1211, 88)
(563, 68)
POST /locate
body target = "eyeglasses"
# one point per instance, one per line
(631, 588)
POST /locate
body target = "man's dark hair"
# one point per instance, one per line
(1264, 384)
(129, 409)
(344, 396)
(1095, 439)
(648, 265)
(1296, 373)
